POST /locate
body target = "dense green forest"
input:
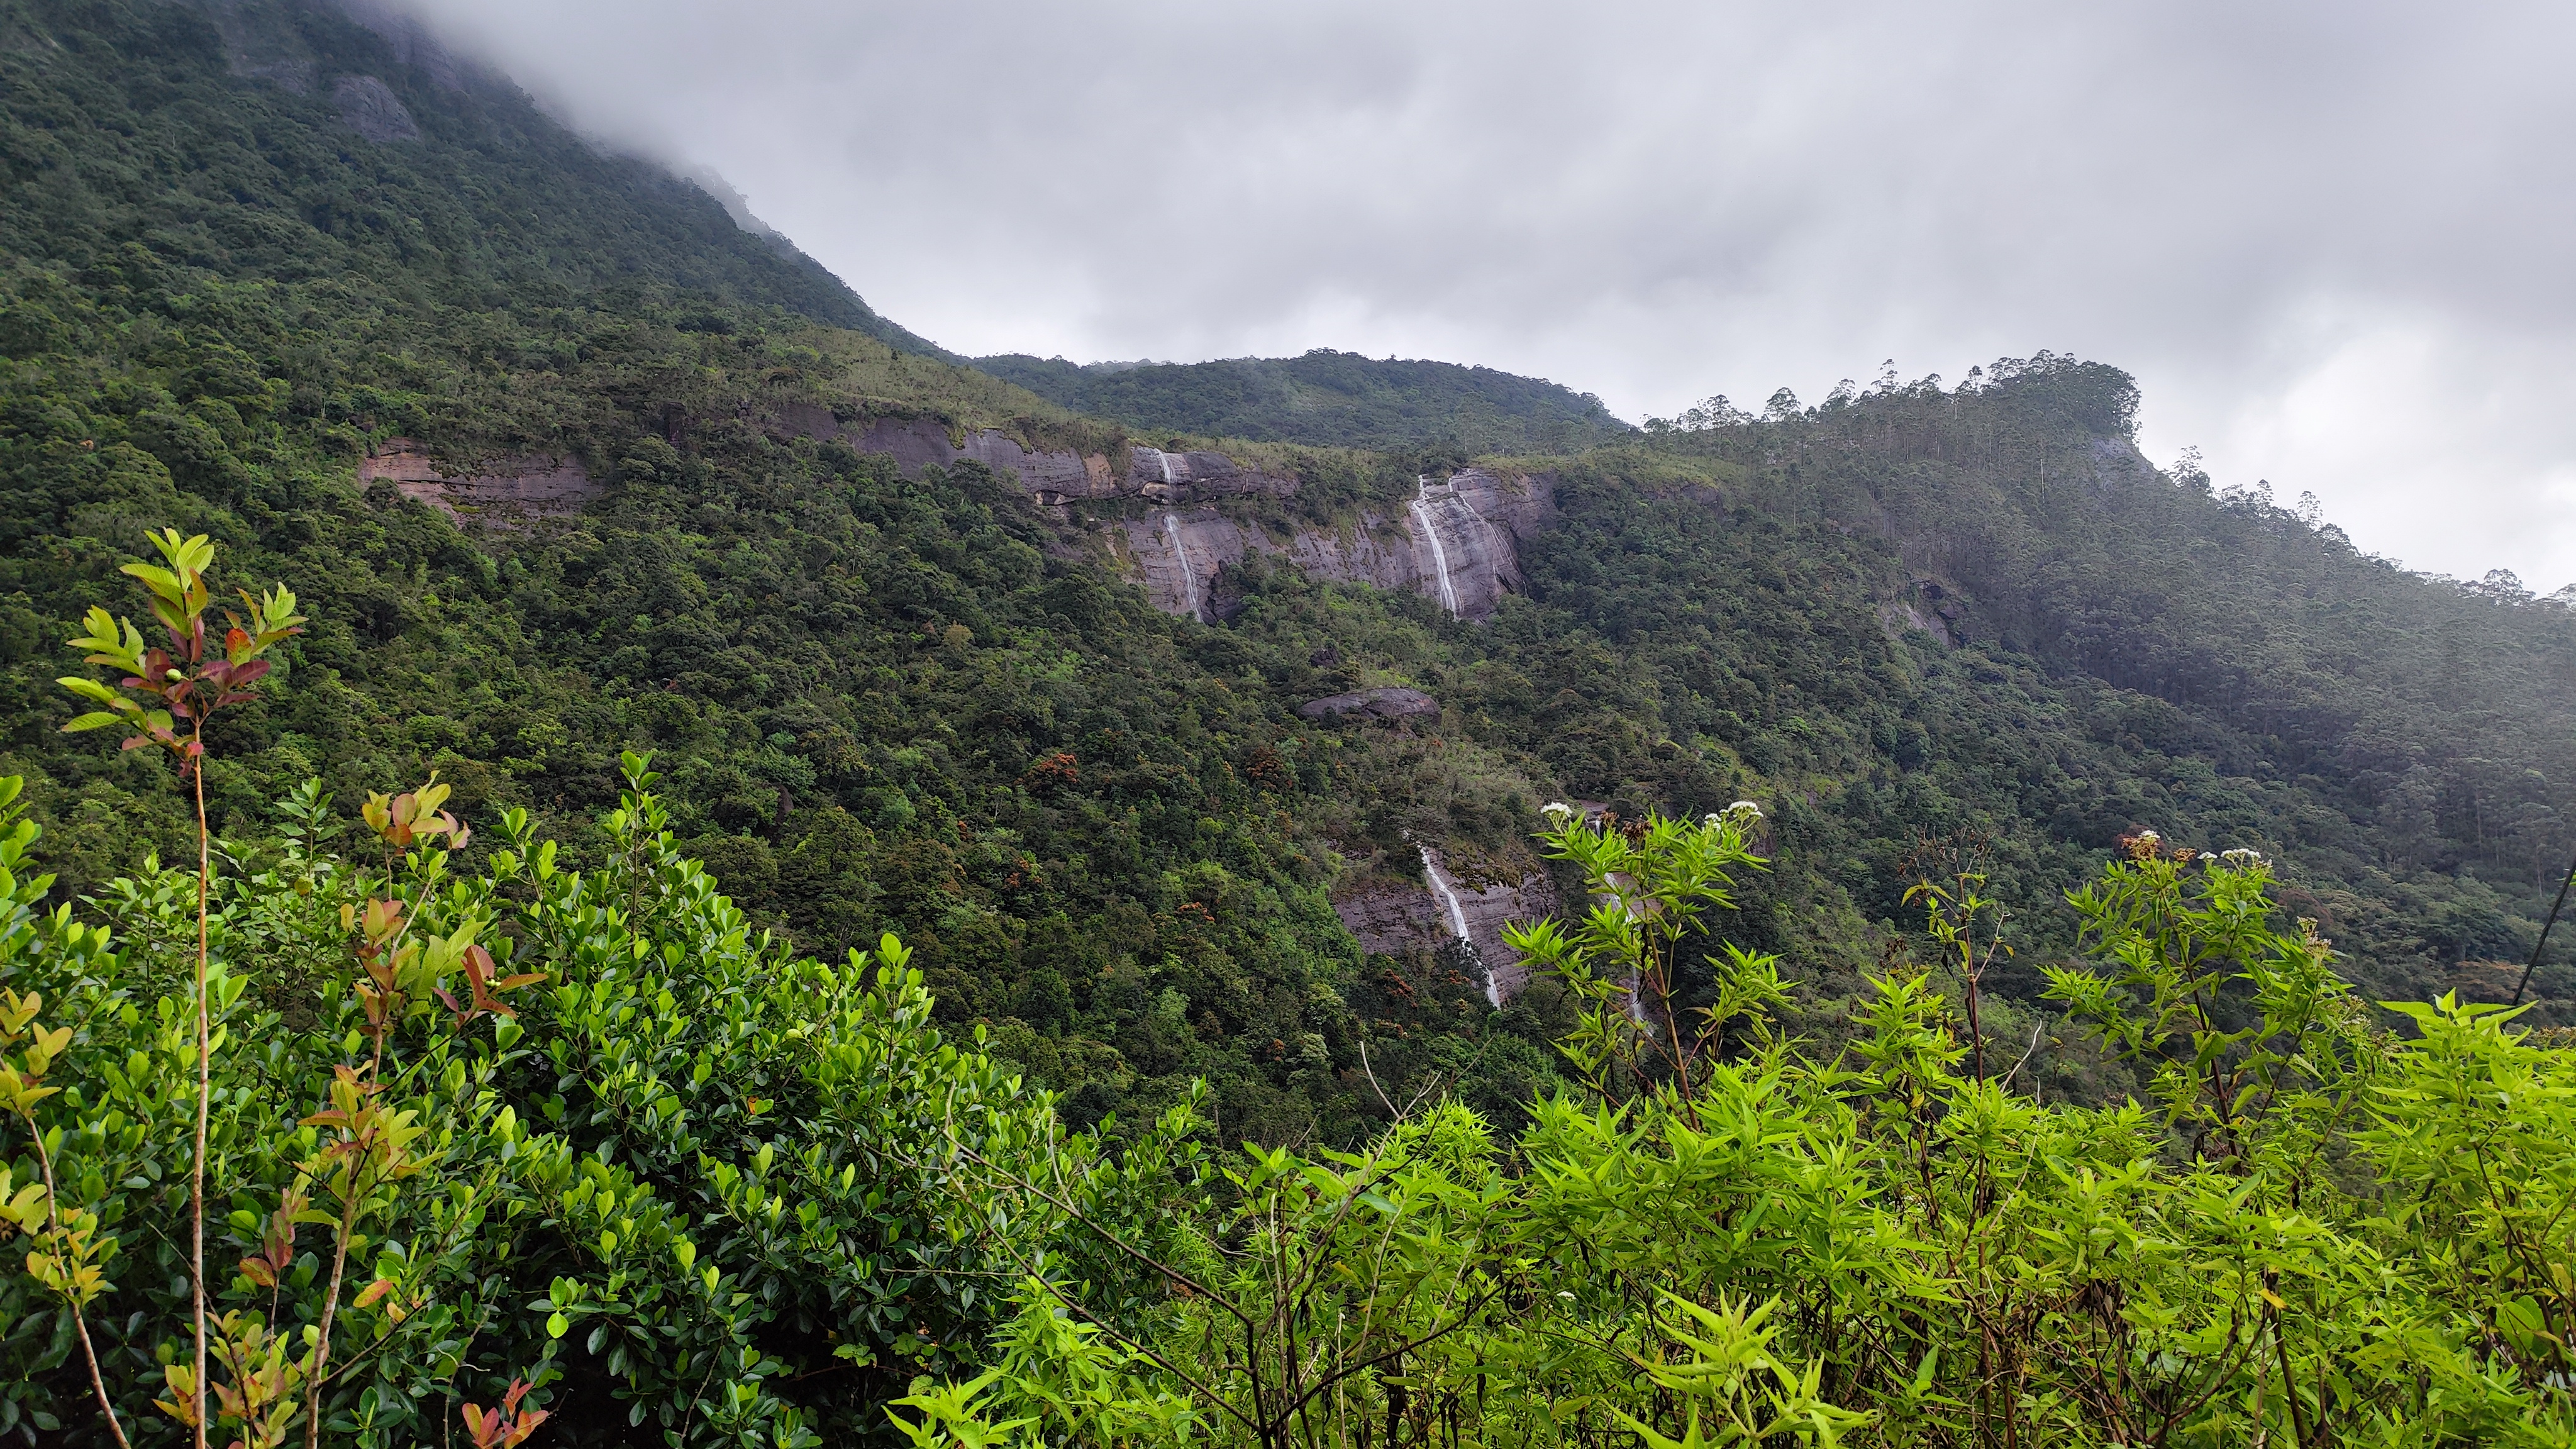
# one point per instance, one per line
(1327, 398)
(1931, 632)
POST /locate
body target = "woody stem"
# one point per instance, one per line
(331, 1305)
(205, 1093)
(89, 1350)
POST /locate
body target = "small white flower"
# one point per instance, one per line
(1558, 811)
(2205, 855)
(1745, 809)
(2242, 858)
(2147, 835)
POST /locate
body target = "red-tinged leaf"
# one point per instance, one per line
(373, 1291)
(513, 983)
(245, 675)
(136, 742)
(235, 641)
(441, 993)
(258, 1271)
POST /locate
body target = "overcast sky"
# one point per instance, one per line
(2331, 241)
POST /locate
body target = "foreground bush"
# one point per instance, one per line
(582, 1131)
(2322, 1233)
(360, 1143)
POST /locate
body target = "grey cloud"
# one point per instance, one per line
(2329, 239)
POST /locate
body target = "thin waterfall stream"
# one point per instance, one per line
(1439, 553)
(1180, 551)
(1458, 920)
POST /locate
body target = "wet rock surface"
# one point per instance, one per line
(1387, 703)
(1478, 518)
(1392, 918)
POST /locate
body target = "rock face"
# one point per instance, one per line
(1392, 920)
(1384, 704)
(1476, 519)
(1454, 541)
(373, 110)
(501, 492)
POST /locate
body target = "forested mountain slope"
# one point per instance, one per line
(921, 700)
(1326, 397)
(287, 143)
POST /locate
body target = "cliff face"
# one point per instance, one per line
(1454, 543)
(1391, 919)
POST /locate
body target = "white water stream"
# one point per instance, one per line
(1458, 920)
(1166, 460)
(1189, 576)
(1439, 554)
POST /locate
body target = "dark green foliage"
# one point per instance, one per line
(1327, 398)
(214, 138)
(856, 680)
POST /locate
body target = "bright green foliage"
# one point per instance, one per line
(1879, 1249)
(588, 1131)
(1621, 961)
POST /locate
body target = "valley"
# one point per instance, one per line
(939, 805)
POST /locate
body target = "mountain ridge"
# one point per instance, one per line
(900, 679)
(1327, 397)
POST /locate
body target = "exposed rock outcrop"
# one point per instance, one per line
(1454, 541)
(373, 110)
(1384, 704)
(1476, 516)
(501, 492)
(1393, 918)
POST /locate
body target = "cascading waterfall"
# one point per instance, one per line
(1166, 460)
(1458, 920)
(1439, 554)
(1189, 576)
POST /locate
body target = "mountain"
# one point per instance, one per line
(1179, 721)
(563, 461)
(1326, 398)
(293, 144)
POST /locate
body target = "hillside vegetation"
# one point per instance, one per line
(765, 702)
(1329, 398)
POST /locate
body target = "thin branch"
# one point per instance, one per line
(2543, 943)
(1104, 1234)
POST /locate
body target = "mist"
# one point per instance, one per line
(2329, 241)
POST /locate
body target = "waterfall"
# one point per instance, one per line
(1189, 576)
(1166, 460)
(1439, 554)
(1458, 921)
